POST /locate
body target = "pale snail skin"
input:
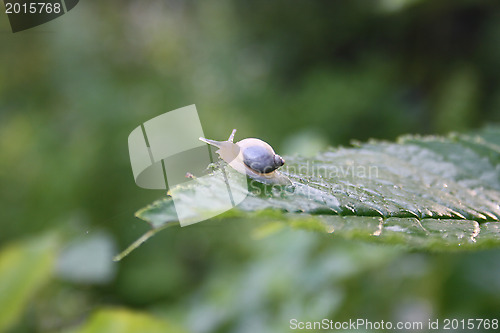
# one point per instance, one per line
(252, 157)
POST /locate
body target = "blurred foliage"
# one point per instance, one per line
(24, 268)
(125, 321)
(73, 89)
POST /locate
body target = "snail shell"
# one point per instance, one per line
(252, 157)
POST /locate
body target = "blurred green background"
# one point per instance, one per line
(302, 75)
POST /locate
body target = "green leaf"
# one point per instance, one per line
(125, 321)
(434, 193)
(24, 268)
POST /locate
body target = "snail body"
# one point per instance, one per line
(252, 157)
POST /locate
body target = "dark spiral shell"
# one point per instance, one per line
(262, 160)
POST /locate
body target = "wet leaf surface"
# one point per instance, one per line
(432, 193)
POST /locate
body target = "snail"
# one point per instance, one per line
(252, 157)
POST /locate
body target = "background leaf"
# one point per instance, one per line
(125, 321)
(24, 268)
